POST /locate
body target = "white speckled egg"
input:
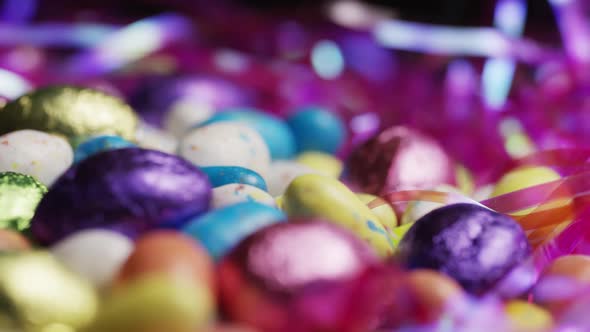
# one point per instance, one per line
(282, 172)
(150, 137)
(41, 155)
(234, 193)
(226, 144)
(95, 254)
(184, 114)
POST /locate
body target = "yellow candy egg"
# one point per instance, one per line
(313, 195)
(384, 211)
(324, 163)
(528, 317)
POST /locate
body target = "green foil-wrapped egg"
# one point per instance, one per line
(19, 196)
(38, 294)
(69, 111)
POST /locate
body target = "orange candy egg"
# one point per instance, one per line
(12, 241)
(170, 253)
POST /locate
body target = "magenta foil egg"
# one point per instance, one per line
(305, 276)
(129, 190)
(399, 158)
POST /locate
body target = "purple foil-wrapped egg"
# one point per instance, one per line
(399, 158)
(468, 242)
(128, 190)
(305, 276)
(155, 97)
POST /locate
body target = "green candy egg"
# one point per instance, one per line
(313, 195)
(158, 303)
(19, 196)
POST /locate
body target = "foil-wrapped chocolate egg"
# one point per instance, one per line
(19, 196)
(399, 158)
(473, 245)
(305, 276)
(129, 190)
(69, 111)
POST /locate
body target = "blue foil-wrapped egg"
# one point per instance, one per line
(317, 129)
(129, 190)
(98, 144)
(274, 131)
(222, 175)
(474, 245)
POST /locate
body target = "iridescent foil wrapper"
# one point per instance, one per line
(129, 190)
(39, 294)
(69, 111)
(19, 196)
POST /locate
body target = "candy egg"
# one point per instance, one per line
(39, 294)
(79, 251)
(269, 281)
(19, 196)
(156, 303)
(226, 144)
(170, 254)
(31, 152)
(231, 328)
(149, 137)
(13, 241)
(274, 131)
(314, 195)
(129, 190)
(234, 193)
(98, 144)
(472, 244)
(417, 209)
(324, 163)
(222, 175)
(399, 158)
(282, 172)
(317, 129)
(220, 230)
(528, 317)
(69, 111)
(384, 211)
(185, 113)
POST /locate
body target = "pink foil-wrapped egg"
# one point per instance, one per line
(305, 276)
(399, 158)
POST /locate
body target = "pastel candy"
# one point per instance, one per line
(235, 193)
(417, 209)
(222, 175)
(184, 113)
(324, 163)
(154, 138)
(384, 211)
(528, 317)
(221, 230)
(317, 129)
(314, 195)
(130, 190)
(43, 156)
(274, 131)
(226, 144)
(282, 172)
(79, 251)
(98, 144)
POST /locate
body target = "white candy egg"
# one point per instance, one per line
(282, 172)
(234, 193)
(150, 137)
(95, 254)
(184, 114)
(226, 144)
(41, 155)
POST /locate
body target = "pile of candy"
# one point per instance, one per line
(308, 179)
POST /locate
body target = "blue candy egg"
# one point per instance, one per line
(222, 175)
(317, 129)
(274, 131)
(221, 230)
(98, 144)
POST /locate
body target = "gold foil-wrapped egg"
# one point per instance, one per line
(69, 111)
(38, 294)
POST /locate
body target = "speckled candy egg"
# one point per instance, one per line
(235, 193)
(399, 158)
(317, 129)
(167, 253)
(223, 175)
(35, 153)
(79, 252)
(473, 245)
(19, 196)
(304, 276)
(226, 144)
(99, 144)
(130, 190)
